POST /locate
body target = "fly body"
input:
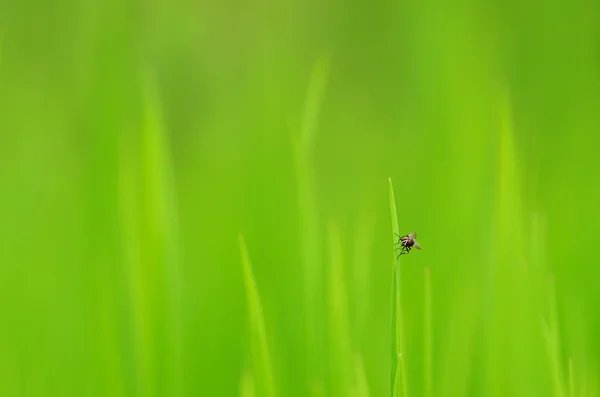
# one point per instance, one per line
(407, 243)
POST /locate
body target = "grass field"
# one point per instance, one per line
(201, 199)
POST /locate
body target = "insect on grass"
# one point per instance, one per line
(407, 243)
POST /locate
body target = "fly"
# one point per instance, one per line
(407, 243)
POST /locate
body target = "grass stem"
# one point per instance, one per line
(397, 379)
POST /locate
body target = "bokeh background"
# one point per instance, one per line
(139, 139)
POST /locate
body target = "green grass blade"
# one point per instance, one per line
(263, 372)
(393, 343)
(247, 385)
(397, 373)
(162, 238)
(314, 98)
(428, 339)
(339, 341)
(309, 224)
(571, 383)
(362, 386)
(361, 277)
(129, 213)
(399, 383)
(150, 240)
(551, 335)
(394, 213)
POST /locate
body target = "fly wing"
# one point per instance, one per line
(416, 245)
(413, 235)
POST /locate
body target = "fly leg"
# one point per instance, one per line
(399, 238)
(402, 247)
(403, 250)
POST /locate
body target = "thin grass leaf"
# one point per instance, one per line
(263, 372)
(129, 214)
(247, 385)
(571, 383)
(362, 386)
(162, 239)
(402, 366)
(314, 98)
(363, 241)
(551, 336)
(397, 380)
(340, 343)
(428, 338)
(507, 308)
(309, 228)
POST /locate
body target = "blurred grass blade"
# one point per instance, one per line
(360, 297)
(309, 228)
(362, 386)
(508, 310)
(263, 373)
(394, 214)
(428, 338)
(571, 383)
(162, 233)
(341, 356)
(150, 240)
(314, 98)
(129, 213)
(397, 378)
(402, 366)
(247, 385)
(551, 336)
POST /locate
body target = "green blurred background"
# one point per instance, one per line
(138, 139)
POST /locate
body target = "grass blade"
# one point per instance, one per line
(571, 383)
(341, 349)
(247, 385)
(150, 241)
(314, 98)
(428, 339)
(309, 227)
(551, 335)
(263, 373)
(360, 297)
(130, 233)
(162, 229)
(397, 373)
(362, 387)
